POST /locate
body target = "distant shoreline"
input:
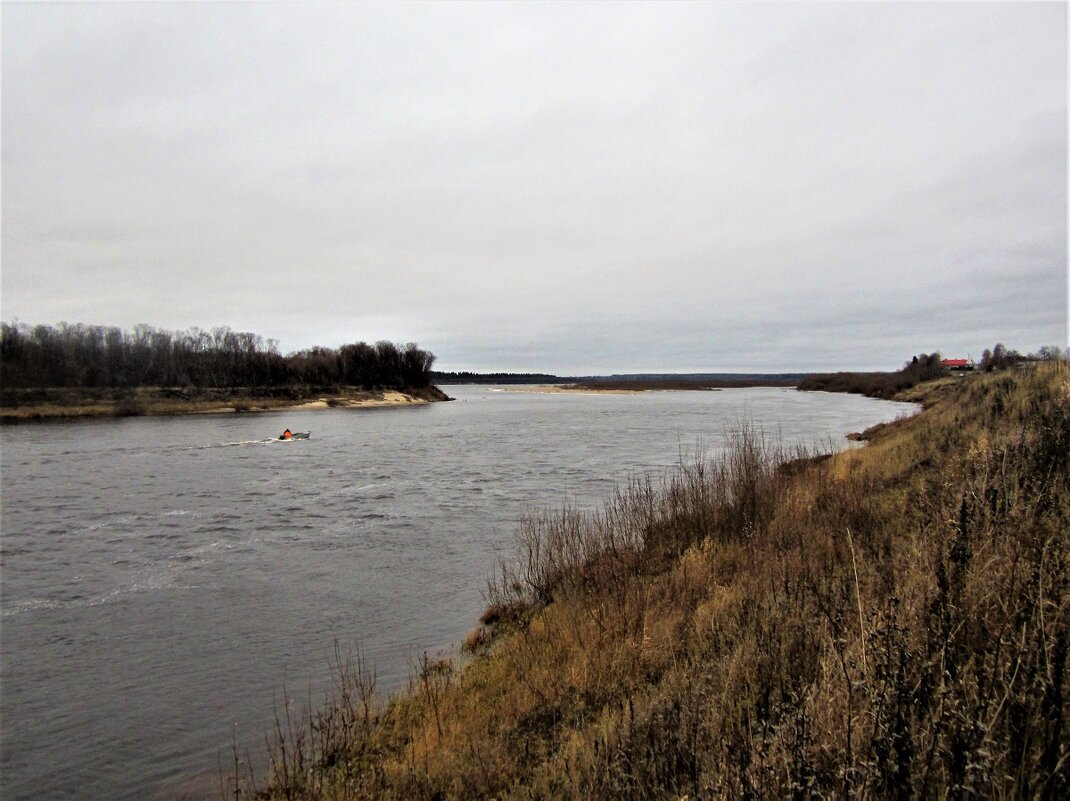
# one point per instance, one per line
(71, 404)
(639, 386)
(575, 389)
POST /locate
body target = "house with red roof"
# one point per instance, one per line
(957, 364)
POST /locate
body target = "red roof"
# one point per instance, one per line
(955, 362)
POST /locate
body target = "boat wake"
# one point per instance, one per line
(240, 444)
(247, 442)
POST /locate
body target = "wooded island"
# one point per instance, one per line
(92, 370)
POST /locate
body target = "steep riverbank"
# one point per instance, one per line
(892, 619)
(59, 403)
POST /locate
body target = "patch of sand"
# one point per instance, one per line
(155, 407)
(388, 398)
(566, 389)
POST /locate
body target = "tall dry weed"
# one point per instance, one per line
(891, 621)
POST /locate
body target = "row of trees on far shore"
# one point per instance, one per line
(97, 356)
(1001, 357)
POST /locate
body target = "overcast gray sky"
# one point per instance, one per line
(567, 187)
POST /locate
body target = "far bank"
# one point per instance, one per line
(54, 403)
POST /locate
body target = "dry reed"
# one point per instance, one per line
(890, 621)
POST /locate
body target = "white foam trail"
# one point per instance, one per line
(232, 444)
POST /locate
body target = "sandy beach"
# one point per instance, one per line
(573, 389)
(375, 400)
(564, 389)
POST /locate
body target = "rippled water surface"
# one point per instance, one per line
(163, 579)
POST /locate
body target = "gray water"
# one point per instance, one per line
(164, 580)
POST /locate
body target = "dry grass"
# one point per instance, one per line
(890, 621)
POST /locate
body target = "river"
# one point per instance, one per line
(164, 580)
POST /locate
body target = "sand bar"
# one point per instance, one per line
(149, 402)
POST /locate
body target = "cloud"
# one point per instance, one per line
(546, 186)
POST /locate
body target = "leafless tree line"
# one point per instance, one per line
(79, 355)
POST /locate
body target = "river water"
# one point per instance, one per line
(164, 580)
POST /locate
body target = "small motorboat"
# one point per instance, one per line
(295, 435)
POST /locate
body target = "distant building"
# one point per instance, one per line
(957, 364)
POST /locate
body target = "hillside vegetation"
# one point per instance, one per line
(923, 367)
(887, 621)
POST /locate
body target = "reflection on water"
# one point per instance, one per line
(165, 578)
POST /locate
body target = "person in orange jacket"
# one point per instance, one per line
(286, 434)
